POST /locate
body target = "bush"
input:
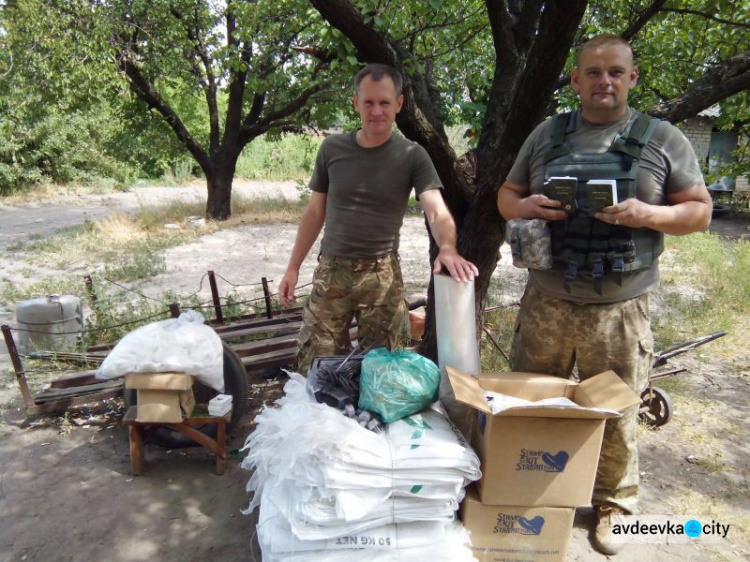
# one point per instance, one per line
(291, 157)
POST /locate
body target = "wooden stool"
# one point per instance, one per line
(138, 431)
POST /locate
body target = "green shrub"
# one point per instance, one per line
(291, 157)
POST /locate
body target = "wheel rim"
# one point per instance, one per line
(656, 407)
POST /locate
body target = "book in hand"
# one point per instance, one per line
(563, 189)
(602, 193)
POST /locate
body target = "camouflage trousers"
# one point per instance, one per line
(553, 335)
(368, 290)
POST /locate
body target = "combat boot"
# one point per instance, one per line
(602, 537)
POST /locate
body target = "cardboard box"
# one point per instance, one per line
(513, 534)
(162, 397)
(540, 455)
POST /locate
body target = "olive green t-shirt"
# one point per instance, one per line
(368, 191)
(667, 165)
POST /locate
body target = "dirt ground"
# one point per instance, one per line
(66, 492)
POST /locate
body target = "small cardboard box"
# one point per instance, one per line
(162, 397)
(508, 533)
(540, 455)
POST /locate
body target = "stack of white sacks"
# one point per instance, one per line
(329, 489)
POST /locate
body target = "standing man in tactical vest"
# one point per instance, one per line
(590, 309)
(360, 191)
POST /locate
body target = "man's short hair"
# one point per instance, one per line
(378, 72)
(603, 40)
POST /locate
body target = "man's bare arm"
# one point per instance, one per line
(687, 211)
(310, 225)
(443, 229)
(514, 202)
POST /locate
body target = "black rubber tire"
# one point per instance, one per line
(720, 210)
(236, 383)
(656, 407)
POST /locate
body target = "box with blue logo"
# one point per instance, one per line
(501, 533)
(539, 436)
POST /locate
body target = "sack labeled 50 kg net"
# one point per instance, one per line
(396, 384)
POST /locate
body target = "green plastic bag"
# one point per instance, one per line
(396, 384)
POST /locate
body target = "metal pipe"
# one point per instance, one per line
(267, 295)
(15, 358)
(215, 296)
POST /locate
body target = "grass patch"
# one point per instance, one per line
(43, 191)
(130, 249)
(130, 245)
(62, 285)
(693, 502)
(264, 210)
(673, 385)
(500, 322)
(703, 428)
(705, 288)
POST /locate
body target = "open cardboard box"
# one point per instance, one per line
(540, 455)
(162, 397)
(502, 533)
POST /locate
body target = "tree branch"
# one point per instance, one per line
(719, 82)
(707, 16)
(209, 83)
(643, 18)
(511, 116)
(628, 34)
(237, 83)
(253, 129)
(146, 91)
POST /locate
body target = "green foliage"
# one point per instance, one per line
(140, 265)
(291, 157)
(60, 86)
(115, 313)
(64, 117)
(60, 285)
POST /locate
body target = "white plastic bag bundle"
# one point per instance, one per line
(320, 477)
(183, 344)
(313, 515)
(403, 542)
(312, 444)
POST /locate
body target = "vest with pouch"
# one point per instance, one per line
(581, 242)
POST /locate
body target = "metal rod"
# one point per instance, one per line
(267, 295)
(174, 310)
(656, 376)
(215, 296)
(497, 345)
(17, 366)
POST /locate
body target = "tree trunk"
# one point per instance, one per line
(524, 81)
(219, 180)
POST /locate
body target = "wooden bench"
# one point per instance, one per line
(139, 431)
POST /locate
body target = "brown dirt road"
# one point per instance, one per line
(66, 492)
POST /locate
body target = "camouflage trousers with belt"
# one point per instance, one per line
(368, 290)
(553, 335)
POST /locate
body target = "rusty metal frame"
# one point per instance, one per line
(61, 395)
(277, 348)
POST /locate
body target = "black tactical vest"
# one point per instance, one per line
(581, 242)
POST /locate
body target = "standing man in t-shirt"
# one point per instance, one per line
(590, 310)
(360, 191)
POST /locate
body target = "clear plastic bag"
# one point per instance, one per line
(183, 344)
(396, 384)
